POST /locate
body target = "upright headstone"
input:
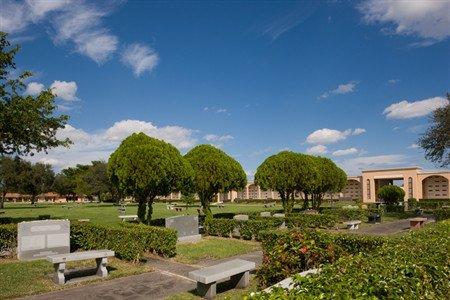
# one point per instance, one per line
(186, 227)
(37, 239)
(241, 217)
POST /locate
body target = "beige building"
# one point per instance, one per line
(417, 184)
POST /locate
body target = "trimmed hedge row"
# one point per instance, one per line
(312, 221)
(246, 229)
(129, 241)
(415, 266)
(442, 214)
(290, 252)
(346, 214)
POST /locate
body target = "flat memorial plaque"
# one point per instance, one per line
(38, 239)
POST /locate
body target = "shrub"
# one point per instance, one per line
(347, 214)
(397, 269)
(290, 252)
(247, 229)
(8, 237)
(391, 194)
(442, 214)
(412, 203)
(129, 241)
(312, 221)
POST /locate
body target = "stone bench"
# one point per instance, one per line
(415, 223)
(352, 225)
(59, 262)
(129, 217)
(238, 270)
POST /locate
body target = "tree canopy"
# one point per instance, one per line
(290, 173)
(214, 172)
(391, 194)
(27, 122)
(145, 167)
(287, 173)
(436, 140)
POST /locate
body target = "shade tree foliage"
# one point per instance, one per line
(214, 172)
(145, 167)
(291, 173)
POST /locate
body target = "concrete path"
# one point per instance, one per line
(387, 228)
(169, 278)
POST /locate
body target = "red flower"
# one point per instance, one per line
(303, 249)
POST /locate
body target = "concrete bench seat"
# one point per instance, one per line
(418, 222)
(59, 262)
(352, 225)
(238, 270)
(129, 217)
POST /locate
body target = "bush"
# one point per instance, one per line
(290, 252)
(412, 203)
(8, 237)
(312, 221)
(415, 266)
(391, 194)
(129, 241)
(346, 214)
(442, 214)
(246, 229)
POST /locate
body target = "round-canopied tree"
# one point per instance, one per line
(214, 172)
(330, 179)
(287, 173)
(391, 194)
(145, 167)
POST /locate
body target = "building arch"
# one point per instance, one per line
(435, 187)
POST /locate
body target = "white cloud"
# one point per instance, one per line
(354, 166)
(217, 110)
(77, 22)
(218, 138)
(140, 58)
(65, 90)
(99, 145)
(264, 151)
(413, 146)
(34, 88)
(344, 152)
(426, 19)
(408, 110)
(329, 136)
(318, 149)
(341, 89)
(393, 81)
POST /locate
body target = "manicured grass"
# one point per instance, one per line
(213, 248)
(108, 214)
(20, 278)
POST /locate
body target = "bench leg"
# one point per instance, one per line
(241, 280)
(207, 291)
(59, 277)
(101, 266)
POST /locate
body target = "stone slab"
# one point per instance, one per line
(265, 214)
(220, 271)
(38, 239)
(75, 256)
(190, 238)
(241, 217)
(184, 225)
(278, 215)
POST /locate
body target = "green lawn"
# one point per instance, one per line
(108, 213)
(213, 248)
(35, 277)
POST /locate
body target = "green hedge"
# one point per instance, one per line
(441, 214)
(346, 214)
(247, 229)
(8, 237)
(289, 252)
(129, 241)
(415, 266)
(312, 221)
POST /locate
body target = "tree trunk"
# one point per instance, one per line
(2, 201)
(150, 210)
(142, 207)
(206, 208)
(288, 203)
(305, 202)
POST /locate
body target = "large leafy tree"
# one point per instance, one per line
(214, 172)
(27, 123)
(10, 176)
(436, 140)
(36, 179)
(330, 179)
(287, 173)
(144, 168)
(93, 180)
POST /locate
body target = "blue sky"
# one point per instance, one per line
(354, 81)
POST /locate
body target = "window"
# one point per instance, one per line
(410, 188)
(368, 188)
